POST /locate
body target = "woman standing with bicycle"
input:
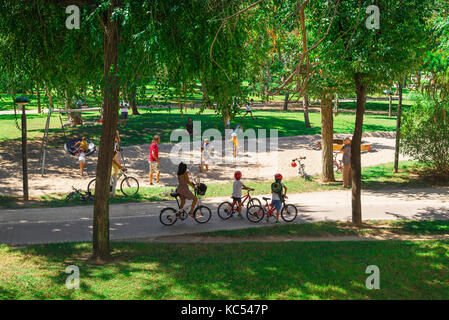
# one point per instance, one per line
(183, 188)
(116, 167)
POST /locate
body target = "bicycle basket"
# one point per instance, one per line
(201, 189)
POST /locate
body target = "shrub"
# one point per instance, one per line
(425, 134)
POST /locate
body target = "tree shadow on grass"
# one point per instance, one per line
(292, 270)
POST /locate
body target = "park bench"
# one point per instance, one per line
(338, 144)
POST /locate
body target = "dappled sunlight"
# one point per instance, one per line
(237, 271)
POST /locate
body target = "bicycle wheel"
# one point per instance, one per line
(129, 186)
(253, 202)
(289, 213)
(202, 214)
(225, 210)
(91, 186)
(255, 213)
(168, 216)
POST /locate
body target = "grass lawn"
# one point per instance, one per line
(141, 129)
(411, 174)
(338, 228)
(289, 270)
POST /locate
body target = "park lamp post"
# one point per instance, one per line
(22, 102)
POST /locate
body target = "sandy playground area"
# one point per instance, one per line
(62, 170)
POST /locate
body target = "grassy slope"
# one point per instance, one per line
(291, 270)
(140, 129)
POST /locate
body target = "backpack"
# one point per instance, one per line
(276, 187)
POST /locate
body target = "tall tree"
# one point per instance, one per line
(371, 57)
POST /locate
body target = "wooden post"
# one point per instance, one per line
(390, 98)
(24, 155)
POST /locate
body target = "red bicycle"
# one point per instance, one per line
(227, 209)
(256, 213)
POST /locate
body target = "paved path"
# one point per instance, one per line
(132, 221)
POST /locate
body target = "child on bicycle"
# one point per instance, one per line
(278, 194)
(237, 192)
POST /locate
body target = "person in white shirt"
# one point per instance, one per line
(248, 109)
(206, 155)
(124, 108)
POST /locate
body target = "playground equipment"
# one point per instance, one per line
(47, 127)
(70, 144)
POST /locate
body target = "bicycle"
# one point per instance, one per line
(86, 196)
(227, 209)
(301, 167)
(201, 214)
(338, 164)
(256, 213)
(129, 185)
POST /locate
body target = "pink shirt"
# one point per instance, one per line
(154, 147)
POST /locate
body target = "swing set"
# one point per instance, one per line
(69, 143)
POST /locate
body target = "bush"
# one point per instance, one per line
(425, 134)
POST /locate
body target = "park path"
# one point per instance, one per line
(62, 170)
(141, 220)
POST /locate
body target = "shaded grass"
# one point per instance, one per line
(411, 175)
(338, 228)
(292, 270)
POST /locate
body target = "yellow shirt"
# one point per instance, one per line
(115, 169)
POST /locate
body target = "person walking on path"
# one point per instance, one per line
(183, 188)
(189, 127)
(124, 108)
(154, 159)
(347, 170)
(248, 109)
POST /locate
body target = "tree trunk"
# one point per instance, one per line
(38, 96)
(13, 95)
(287, 95)
(305, 99)
(101, 251)
(327, 136)
(355, 152)
(305, 105)
(50, 97)
(398, 129)
(336, 104)
(74, 117)
(390, 100)
(133, 103)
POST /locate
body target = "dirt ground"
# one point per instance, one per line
(62, 170)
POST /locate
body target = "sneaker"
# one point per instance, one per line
(277, 221)
(240, 216)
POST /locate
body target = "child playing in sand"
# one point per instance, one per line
(234, 139)
(81, 148)
(237, 192)
(206, 153)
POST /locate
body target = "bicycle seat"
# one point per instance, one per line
(266, 199)
(174, 194)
